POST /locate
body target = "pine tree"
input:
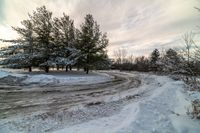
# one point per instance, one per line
(42, 21)
(57, 42)
(142, 64)
(92, 43)
(172, 62)
(154, 60)
(45, 42)
(20, 55)
(68, 39)
(64, 39)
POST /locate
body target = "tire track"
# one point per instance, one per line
(15, 100)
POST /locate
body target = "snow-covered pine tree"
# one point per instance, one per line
(101, 61)
(21, 54)
(154, 60)
(173, 62)
(42, 21)
(92, 43)
(46, 42)
(79, 62)
(57, 42)
(68, 39)
(64, 42)
(197, 59)
(8, 54)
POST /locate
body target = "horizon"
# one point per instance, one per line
(139, 26)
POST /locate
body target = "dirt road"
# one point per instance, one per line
(47, 108)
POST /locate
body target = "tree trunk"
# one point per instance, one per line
(70, 67)
(87, 70)
(58, 67)
(66, 69)
(47, 69)
(30, 69)
(78, 68)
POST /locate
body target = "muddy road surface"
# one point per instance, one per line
(48, 108)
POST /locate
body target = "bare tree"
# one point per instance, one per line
(120, 55)
(188, 41)
(197, 47)
(131, 59)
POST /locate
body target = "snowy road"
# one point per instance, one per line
(131, 102)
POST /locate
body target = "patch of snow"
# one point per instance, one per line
(59, 78)
(194, 95)
(43, 79)
(4, 73)
(183, 123)
(40, 79)
(107, 124)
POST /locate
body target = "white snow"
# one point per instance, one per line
(58, 78)
(164, 110)
(184, 123)
(43, 79)
(163, 106)
(4, 73)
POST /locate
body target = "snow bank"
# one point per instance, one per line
(58, 78)
(43, 79)
(183, 122)
(4, 73)
(40, 79)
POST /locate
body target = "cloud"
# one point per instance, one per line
(133, 24)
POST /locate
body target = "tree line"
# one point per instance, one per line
(183, 60)
(47, 42)
(171, 61)
(183, 63)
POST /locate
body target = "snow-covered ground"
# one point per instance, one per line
(4, 73)
(163, 111)
(44, 79)
(134, 103)
(58, 78)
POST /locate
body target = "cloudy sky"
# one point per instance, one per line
(136, 25)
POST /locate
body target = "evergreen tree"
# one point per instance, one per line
(42, 21)
(45, 42)
(68, 39)
(92, 43)
(154, 64)
(57, 42)
(20, 55)
(173, 63)
(142, 64)
(64, 40)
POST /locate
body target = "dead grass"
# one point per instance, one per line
(196, 108)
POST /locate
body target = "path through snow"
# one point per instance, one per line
(132, 103)
(163, 110)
